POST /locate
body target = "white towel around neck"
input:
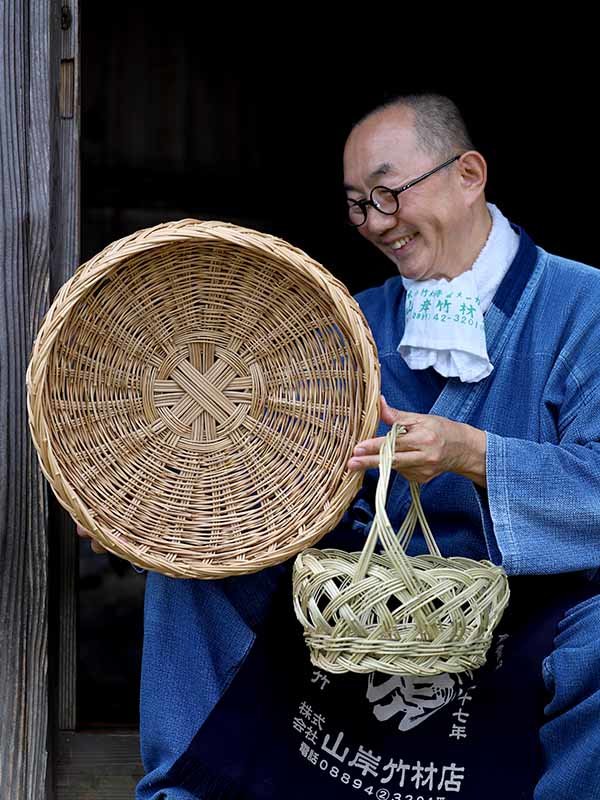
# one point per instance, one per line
(444, 326)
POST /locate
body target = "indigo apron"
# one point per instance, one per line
(286, 730)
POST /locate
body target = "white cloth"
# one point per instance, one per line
(444, 326)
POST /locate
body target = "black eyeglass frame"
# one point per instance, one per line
(364, 204)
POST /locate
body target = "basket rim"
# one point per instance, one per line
(105, 263)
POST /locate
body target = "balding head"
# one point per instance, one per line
(439, 127)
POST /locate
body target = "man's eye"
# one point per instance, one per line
(356, 209)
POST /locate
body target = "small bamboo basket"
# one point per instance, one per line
(195, 392)
(393, 613)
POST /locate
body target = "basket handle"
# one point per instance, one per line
(394, 545)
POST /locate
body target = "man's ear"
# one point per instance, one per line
(473, 175)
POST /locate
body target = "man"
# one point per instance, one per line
(538, 399)
(489, 358)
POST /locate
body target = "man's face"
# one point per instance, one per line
(428, 237)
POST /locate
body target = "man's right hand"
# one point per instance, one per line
(97, 548)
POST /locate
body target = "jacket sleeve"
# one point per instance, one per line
(541, 510)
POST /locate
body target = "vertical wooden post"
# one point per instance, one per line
(38, 225)
(65, 258)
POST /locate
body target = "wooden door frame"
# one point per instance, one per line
(28, 77)
(41, 753)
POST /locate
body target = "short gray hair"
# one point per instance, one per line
(439, 126)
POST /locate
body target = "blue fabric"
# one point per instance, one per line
(540, 514)
(196, 633)
(570, 737)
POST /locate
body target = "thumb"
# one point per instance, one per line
(388, 415)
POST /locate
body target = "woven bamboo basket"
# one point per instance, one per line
(393, 613)
(195, 392)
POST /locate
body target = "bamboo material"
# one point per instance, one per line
(393, 613)
(195, 392)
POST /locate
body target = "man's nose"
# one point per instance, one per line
(377, 223)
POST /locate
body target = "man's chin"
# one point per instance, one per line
(408, 266)
(409, 270)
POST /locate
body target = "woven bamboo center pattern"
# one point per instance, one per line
(391, 613)
(195, 393)
(203, 391)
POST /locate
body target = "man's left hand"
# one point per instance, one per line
(431, 446)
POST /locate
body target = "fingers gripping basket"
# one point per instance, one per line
(391, 613)
(195, 393)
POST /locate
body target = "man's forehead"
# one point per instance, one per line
(380, 146)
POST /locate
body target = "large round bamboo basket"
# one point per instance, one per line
(195, 392)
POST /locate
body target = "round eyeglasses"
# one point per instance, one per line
(384, 199)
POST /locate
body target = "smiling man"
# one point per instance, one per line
(489, 357)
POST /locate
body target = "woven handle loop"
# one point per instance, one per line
(394, 545)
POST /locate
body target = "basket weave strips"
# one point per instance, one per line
(393, 613)
(195, 392)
